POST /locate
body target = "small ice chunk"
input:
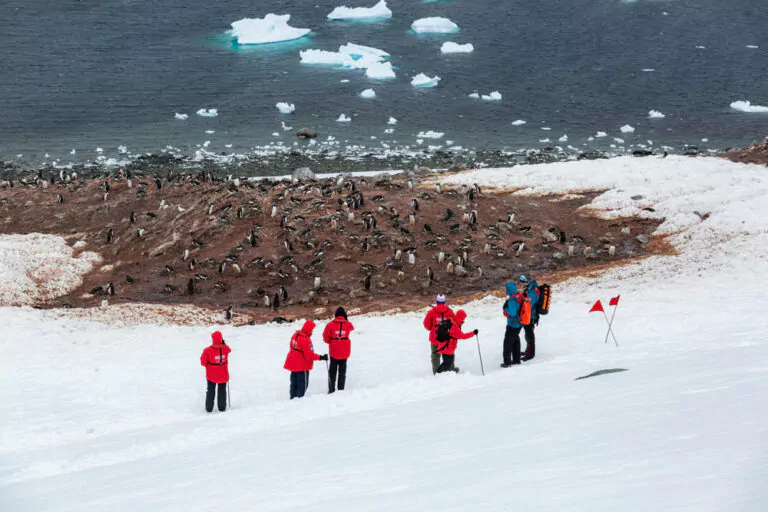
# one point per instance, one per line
(474, 96)
(627, 129)
(389, 130)
(705, 140)
(618, 140)
(434, 25)
(746, 106)
(120, 149)
(590, 139)
(228, 146)
(699, 47)
(210, 132)
(345, 81)
(422, 80)
(275, 134)
(451, 47)
(655, 114)
(73, 151)
(368, 94)
(546, 128)
(209, 112)
(286, 108)
(343, 119)
(285, 127)
(600, 135)
(392, 120)
(206, 143)
(183, 117)
(543, 140)
(494, 96)
(272, 28)
(99, 150)
(321, 57)
(648, 70)
(430, 135)
(752, 46)
(564, 138)
(418, 141)
(519, 122)
(379, 11)
(380, 71)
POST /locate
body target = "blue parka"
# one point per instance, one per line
(512, 308)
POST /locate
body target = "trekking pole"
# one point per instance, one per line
(229, 398)
(328, 371)
(480, 354)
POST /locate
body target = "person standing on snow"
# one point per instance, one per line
(511, 308)
(530, 290)
(448, 348)
(438, 314)
(336, 335)
(301, 357)
(216, 361)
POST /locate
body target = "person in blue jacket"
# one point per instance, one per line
(531, 290)
(511, 308)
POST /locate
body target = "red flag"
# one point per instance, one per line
(597, 307)
(614, 301)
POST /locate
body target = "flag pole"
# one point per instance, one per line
(610, 325)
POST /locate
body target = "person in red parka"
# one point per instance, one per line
(301, 357)
(448, 348)
(435, 316)
(216, 361)
(336, 335)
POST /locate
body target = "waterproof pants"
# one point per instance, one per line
(299, 384)
(435, 358)
(512, 345)
(211, 393)
(448, 363)
(530, 342)
(339, 365)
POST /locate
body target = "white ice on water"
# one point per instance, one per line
(451, 47)
(494, 96)
(343, 119)
(655, 114)
(182, 117)
(746, 106)
(272, 28)
(422, 80)
(752, 46)
(378, 11)
(352, 56)
(600, 135)
(380, 71)
(286, 108)
(209, 112)
(434, 25)
(392, 120)
(519, 122)
(474, 95)
(627, 129)
(368, 94)
(430, 135)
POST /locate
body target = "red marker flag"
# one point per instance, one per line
(597, 307)
(614, 301)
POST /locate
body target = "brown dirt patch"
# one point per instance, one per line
(754, 154)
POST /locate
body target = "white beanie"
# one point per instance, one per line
(440, 298)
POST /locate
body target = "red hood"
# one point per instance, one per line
(308, 327)
(217, 338)
(440, 308)
(461, 315)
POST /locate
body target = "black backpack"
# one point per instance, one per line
(443, 333)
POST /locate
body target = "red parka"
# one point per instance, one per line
(301, 356)
(434, 318)
(449, 347)
(336, 335)
(216, 360)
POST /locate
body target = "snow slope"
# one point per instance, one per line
(110, 417)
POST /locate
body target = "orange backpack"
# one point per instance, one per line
(525, 311)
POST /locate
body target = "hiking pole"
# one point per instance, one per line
(328, 371)
(480, 354)
(229, 398)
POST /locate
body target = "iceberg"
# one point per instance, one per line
(368, 94)
(655, 114)
(746, 106)
(272, 28)
(392, 120)
(422, 80)
(430, 135)
(286, 108)
(208, 112)
(359, 51)
(322, 57)
(449, 47)
(494, 96)
(380, 71)
(474, 96)
(378, 11)
(181, 116)
(564, 138)
(343, 119)
(434, 25)
(519, 122)
(627, 129)
(600, 135)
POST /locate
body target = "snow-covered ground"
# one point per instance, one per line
(99, 417)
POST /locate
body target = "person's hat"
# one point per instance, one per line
(340, 312)
(524, 278)
(440, 299)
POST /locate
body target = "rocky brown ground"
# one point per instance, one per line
(288, 248)
(754, 154)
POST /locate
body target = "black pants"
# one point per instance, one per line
(512, 345)
(530, 342)
(299, 384)
(341, 366)
(210, 394)
(447, 364)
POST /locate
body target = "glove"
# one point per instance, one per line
(476, 331)
(324, 357)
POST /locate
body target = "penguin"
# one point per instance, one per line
(141, 232)
(316, 283)
(186, 255)
(511, 217)
(411, 258)
(240, 212)
(448, 214)
(410, 184)
(210, 209)
(334, 224)
(158, 184)
(570, 250)
(132, 218)
(283, 221)
(191, 286)
(440, 257)
(449, 267)
(415, 204)
(365, 246)
(192, 264)
(487, 248)
(129, 279)
(412, 219)
(168, 270)
(427, 228)
(110, 289)
(430, 274)
(472, 218)
(59, 198)
(439, 188)
(351, 216)
(222, 266)
(520, 248)
(401, 276)
(587, 251)
(276, 302)
(288, 246)
(267, 301)
(612, 251)
(283, 293)
(274, 211)
(367, 283)
(228, 314)
(479, 271)
(110, 235)
(398, 255)
(471, 195)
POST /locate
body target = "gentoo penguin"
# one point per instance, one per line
(110, 235)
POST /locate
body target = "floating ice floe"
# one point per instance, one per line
(73, 151)
(345, 81)
(564, 138)
(752, 46)
(422, 80)
(389, 130)
(99, 150)
(379, 11)
(474, 96)
(286, 108)
(343, 119)
(228, 146)
(285, 127)
(600, 135)
(705, 140)
(655, 114)
(380, 71)
(183, 117)
(518, 122)
(648, 70)
(430, 135)
(352, 56)
(368, 94)
(209, 112)
(434, 25)
(494, 96)
(699, 47)
(627, 129)
(546, 128)
(272, 28)
(392, 120)
(544, 140)
(746, 106)
(618, 140)
(451, 47)
(120, 149)
(210, 132)
(275, 134)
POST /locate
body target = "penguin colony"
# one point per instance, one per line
(235, 243)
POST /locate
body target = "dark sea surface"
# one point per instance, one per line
(110, 73)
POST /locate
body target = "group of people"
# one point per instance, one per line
(444, 327)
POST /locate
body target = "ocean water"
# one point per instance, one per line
(108, 73)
